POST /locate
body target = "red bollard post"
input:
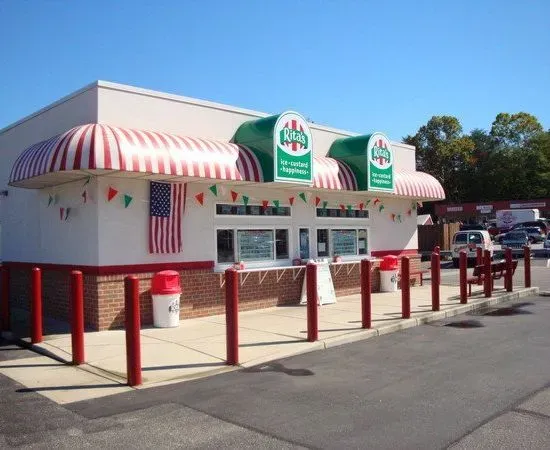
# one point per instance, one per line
(132, 328)
(36, 305)
(508, 280)
(437, 249)
(232, 316)
(463, 265)
(436, 280)
(312, 308)
(487, 275)
(366, 287)
(405, 288)
(527, 265)
(5, 299)
(77, 317)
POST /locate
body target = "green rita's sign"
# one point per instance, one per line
(292, 149)
(380, 163)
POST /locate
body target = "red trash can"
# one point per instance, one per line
(389, 269)
(166, 293)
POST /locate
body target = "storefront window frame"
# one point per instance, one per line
(248, 216)
(332, 227)
(258, 263)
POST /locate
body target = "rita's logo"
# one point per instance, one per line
(380, 155)
(293, 138)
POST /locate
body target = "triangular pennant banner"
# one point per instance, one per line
(361, 206)
(381, 208)
(291, 200)
(393, 217)
(245, 200)
(200, 198)
(50, 200)
(376, 201)
(265, 203)
(127, 200)
(409, 212)
(276, 203)
(214, 189)
(85, 196)
(111, 194)
(67, 212)
(399, 217)
(61, 213)
(325, 204)
(419, 204)
(368, 202)
(302, 195)
(413, 206)
(317, 201)
(342, 207)
(87, 181)
(349, 207)
(234, 196)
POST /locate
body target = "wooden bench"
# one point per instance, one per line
(498, 270)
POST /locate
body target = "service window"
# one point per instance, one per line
(255, 245)
(226, 250)
(304, 243)
(281, 244)
(322, 243)
(362, 242)
(344, 242)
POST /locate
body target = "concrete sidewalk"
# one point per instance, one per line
(197, 347)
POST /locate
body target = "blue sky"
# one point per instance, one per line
(351, 64)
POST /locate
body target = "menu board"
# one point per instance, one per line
(255, 245)
(325, 286)
(344, 242)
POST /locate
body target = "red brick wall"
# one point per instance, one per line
(203, 292)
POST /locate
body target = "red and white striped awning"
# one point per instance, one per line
(329, 173)
(97, 149)
(418, 185)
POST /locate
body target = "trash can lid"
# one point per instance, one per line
(389, 262)
(166, 282)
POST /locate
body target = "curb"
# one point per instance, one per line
(427, 318)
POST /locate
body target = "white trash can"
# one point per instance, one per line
(388, 280)
(166, 294)
(166, 310)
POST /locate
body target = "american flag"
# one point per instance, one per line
(165, 215)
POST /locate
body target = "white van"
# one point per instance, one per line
(470, 240)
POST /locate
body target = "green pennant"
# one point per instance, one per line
(276, 203)
(349, 207)
(381, 208)
(214, 189)
(87, 181)
(245, 200)
(368, 201)
(413, 206)
(50, 199)
(399, 217)
(127, 200)
(302, 195)
(325, 204)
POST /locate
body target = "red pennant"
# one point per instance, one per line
(409, 212)
(85, 196)
(112, 194)
(234, 195)
(317, 201)
(61, 213)
(291, 200)
(343, 207)
(265, 203)
(393, 217)
(200, 198)
(361, 206)
(376, 201)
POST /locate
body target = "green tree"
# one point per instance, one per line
(515, 130)
(444, 152)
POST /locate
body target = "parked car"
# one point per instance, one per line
(546, 246)
(470, 240)
(542, 224)
(471, 226)
(534, 234)
(515, 240)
